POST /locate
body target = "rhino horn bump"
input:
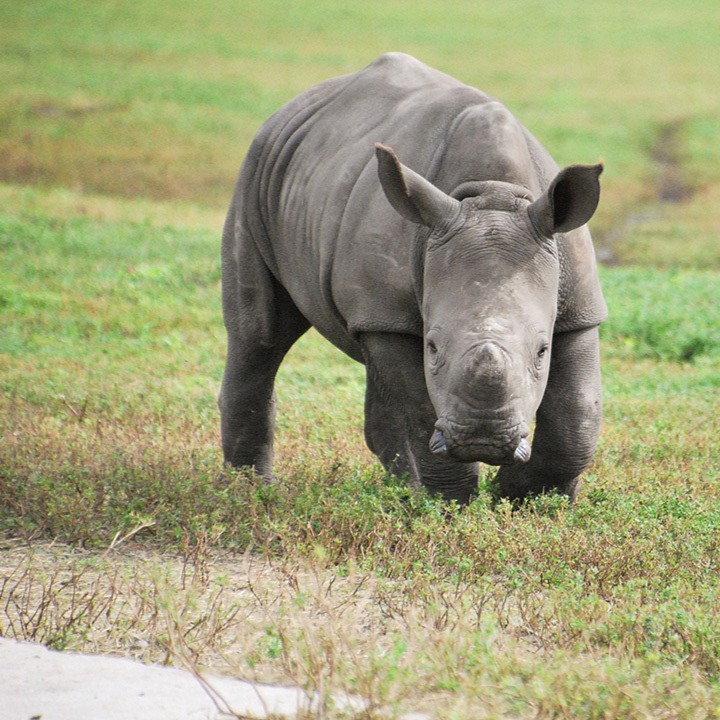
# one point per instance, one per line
(522, 451)
(438, 444)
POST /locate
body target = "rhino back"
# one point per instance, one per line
(316, 211)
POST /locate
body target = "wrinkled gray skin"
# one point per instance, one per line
(466, 285)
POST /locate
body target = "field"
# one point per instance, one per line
(122, 127)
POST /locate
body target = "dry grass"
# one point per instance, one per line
(64, 203)
(450, 649)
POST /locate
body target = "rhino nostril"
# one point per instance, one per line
(522, 451)
(438, 445)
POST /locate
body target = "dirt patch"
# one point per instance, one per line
(670, 188)
(52, 109)
(667, 156)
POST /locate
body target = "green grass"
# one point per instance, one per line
(666, 315)
(122, 127)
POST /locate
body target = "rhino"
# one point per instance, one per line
(421, 229)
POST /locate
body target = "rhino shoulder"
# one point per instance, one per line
(395, 64)
(580, 299)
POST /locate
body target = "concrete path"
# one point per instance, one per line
(41, 684)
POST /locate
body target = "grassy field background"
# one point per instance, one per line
(122, 127)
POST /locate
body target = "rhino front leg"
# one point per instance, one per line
(386, 428)
(400, 418)
(567, 422)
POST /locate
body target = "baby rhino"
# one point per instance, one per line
(467, 285)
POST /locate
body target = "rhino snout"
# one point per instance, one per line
(445, 444)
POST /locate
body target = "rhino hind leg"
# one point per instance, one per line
(248, 404)
(567, 422)
(262, 324)
(399, 418)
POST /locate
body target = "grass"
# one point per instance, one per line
(121, 130)
(548, 603)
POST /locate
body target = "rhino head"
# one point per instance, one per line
(489, 300)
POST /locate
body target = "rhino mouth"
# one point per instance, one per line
(455, 442)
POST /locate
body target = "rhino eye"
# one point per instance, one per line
(433, 356)
(541, 355)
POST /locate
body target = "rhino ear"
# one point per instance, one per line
(569, 202)
(414, 197)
